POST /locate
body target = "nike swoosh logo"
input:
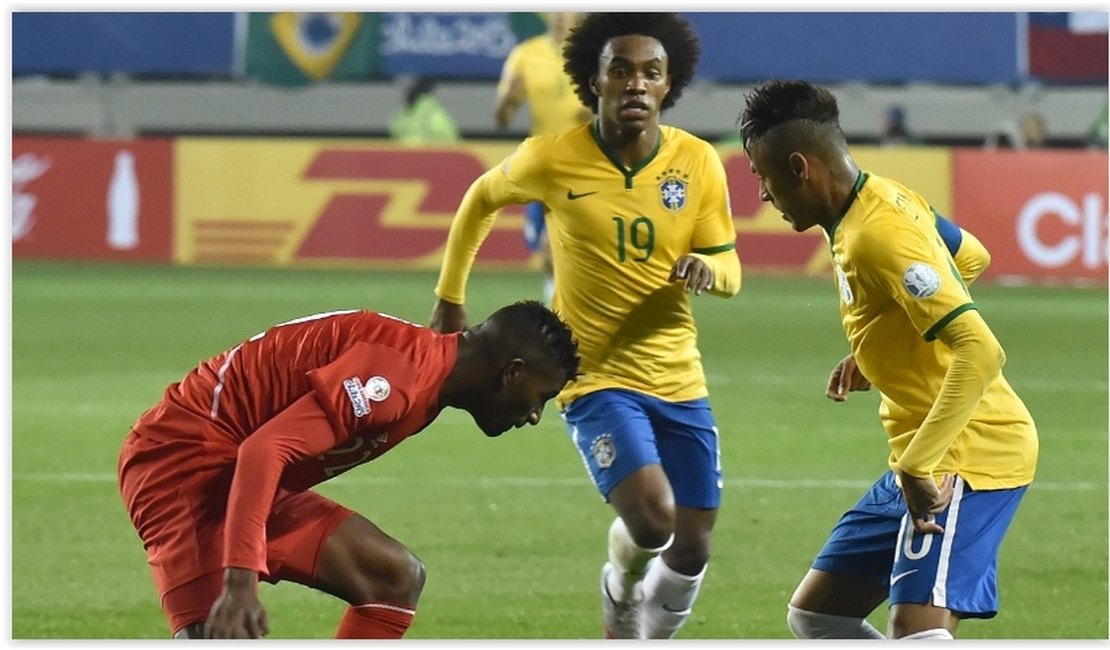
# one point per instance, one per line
(672, 610)
(572, 196)
(901, 575)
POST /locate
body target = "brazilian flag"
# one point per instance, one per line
(294, 49)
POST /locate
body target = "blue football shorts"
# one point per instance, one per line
(533, 225)
(876, 542)
(619, 431)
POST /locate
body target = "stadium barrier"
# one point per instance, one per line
(308, 202)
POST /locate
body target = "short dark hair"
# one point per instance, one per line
(528, 322)
(779, 101)
(582, 51)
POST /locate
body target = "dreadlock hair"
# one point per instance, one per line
(538, 335)
(779, 101)
(582, 50)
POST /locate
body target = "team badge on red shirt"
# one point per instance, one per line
(376, 388)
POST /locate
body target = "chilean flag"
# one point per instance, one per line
(1068, 46)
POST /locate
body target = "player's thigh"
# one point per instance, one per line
(614, 437)
(186, 606)
(837, 594)
(534, 225)
(851, 574)
(954, 570)
(299, 525)
(317, 542)
(360, 563)
(688, 442)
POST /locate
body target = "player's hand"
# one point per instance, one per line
(237, 613)
(925, 499)
(844, 378)
(696, 273)
(448, 317)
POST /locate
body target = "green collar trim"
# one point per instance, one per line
(613, 158)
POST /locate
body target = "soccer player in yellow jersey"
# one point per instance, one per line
(963, 445)
(639, 220)
(533, 74)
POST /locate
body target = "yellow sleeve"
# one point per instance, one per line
(715, 233)
(498, 187)
(509, 69)
(972, 258)
(976, 362)
(726, 272)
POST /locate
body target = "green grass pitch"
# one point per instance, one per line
(511, 530)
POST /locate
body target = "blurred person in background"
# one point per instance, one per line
(533, 74)
(1029, 132)
(1096, 134)
(1034, 130)
(895, 132)
(639, 222)
(217, 477)
(963, 445)
(423, 120)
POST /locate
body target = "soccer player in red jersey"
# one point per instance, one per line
(216, 476)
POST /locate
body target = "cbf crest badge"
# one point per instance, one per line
(603, 450)
(672, 189)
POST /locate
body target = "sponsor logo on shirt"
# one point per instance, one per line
(354, 389)
(921, 280)
(376, 388)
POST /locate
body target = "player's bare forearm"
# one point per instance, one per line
(448, 317)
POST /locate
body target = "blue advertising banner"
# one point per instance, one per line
(453, 45)
(868, 47)
(163, 43)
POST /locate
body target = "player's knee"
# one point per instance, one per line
(805, 624)
(395, 577)
(652, 527)
(192, 631)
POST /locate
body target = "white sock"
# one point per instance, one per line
(548, 290)
(812, 625)
(629, 561)
(934, 634)
(668, 599)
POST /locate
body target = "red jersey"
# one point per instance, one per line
(300, 403)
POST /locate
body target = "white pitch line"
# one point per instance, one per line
(544, 482)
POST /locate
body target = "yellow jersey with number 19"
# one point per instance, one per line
(899, 286)
(615, 234)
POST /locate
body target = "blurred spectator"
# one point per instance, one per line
(894, 131)
(1030, 133)
(1034, 131)
(1096, 135)
(423, 120)
(533, 74)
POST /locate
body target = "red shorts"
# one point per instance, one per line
(176, 493)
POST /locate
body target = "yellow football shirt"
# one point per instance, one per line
(898, 287)
(615, 234)
(552, 102)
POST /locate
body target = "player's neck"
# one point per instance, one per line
(630, 144)
(458, 386)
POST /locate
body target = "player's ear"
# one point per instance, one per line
(593, 85)
(512, 371)
(799, 165)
